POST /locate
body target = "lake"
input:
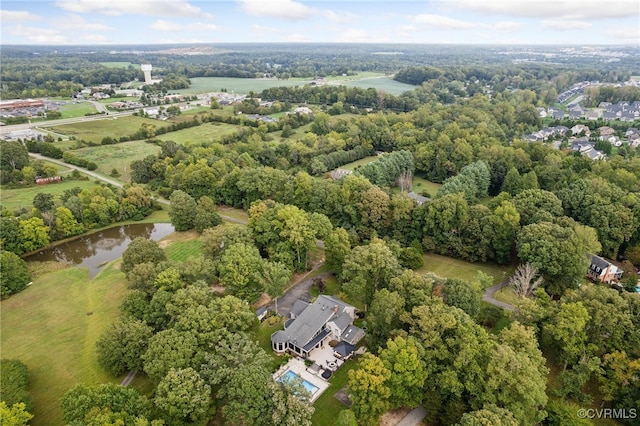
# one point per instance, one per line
(95, 250)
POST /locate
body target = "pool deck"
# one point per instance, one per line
(298, 366)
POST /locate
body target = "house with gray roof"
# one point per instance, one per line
(314, 325)
(604, 271)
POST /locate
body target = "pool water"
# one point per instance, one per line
(290, 376)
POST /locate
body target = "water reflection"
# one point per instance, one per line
(93, 251)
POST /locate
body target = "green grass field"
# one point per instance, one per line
(206, 132)
(80, 109)
(15, 198)
(448, 267)
(115, 64)
(421, 184)
(237, 85)
(360, 162)
(95, 131)
(53, 325)
(183, 250)
(118, 156)
(384, 84)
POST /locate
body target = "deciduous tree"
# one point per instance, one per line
(121, 346)
(14, 274)
(182, 211)
(369, 390)
(141, 250)
(240, 271)
(183, 397)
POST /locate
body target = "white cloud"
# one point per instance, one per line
(165, 26)
(504, 26)
(38, 35)
(286, 9)
(17, 16)
(566, 25)
(201, 26)
(96, 39)
(552, 9)
(137, 7)
(339, 18)
(442, 22)
(630, 35)
(78, 23)
(355, 35)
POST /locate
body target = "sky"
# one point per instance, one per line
(89, 22)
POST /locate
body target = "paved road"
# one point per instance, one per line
(50, 123)
(80, 169)
(299, 290)
(414, 417)
(488, 296)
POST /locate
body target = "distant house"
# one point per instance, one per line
(340, 173)
(579, 128)
(604, 271)
(314, 325)
(606, 131)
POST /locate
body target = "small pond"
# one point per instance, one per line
(95, 250)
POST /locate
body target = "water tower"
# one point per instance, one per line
(146, 69)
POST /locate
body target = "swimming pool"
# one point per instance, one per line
(289, 376)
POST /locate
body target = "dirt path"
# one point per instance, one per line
(128, 378)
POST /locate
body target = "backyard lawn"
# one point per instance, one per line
(448, 267)
(53, 325)
(360, 162)
(327, 407)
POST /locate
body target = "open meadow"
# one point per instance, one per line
(95, 131)
(118, 156)
(206, 132)
(77, 109)
(53, 325)
(16, 198)
(235, 85)
(385, 84)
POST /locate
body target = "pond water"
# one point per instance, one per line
(95, 250)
